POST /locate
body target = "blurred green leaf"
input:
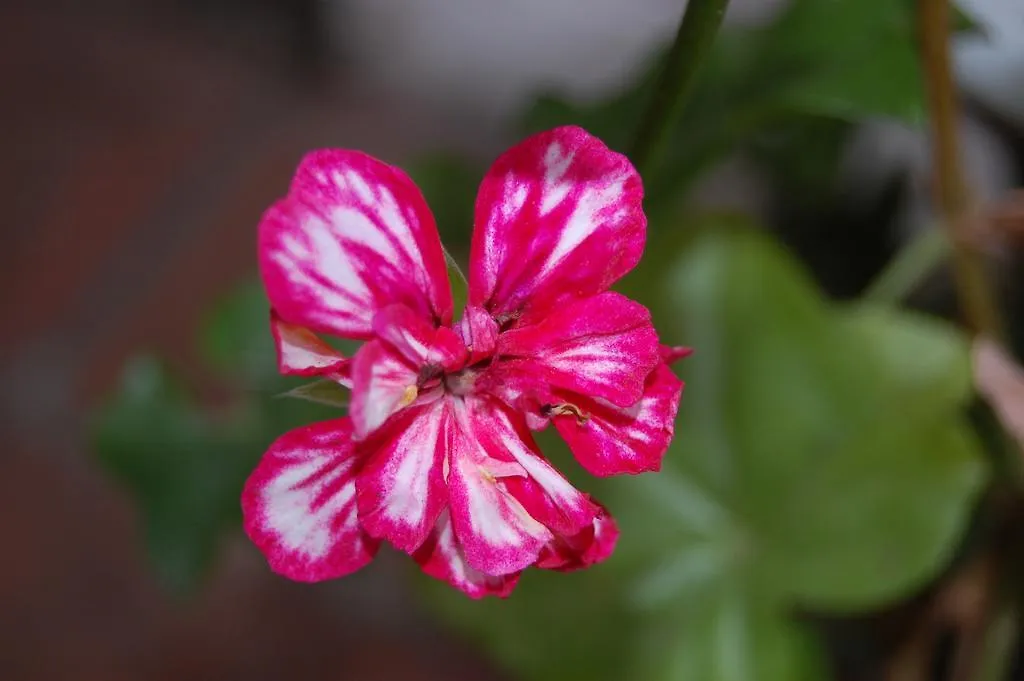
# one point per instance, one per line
(728, 636)
(449, 184)
(830, 442)
(965, 23)
(849, 58)
(235, 338)
(185, 462)
(460, 287)
(184, 468)
(323, 391)
(555, 627)
(236, 341)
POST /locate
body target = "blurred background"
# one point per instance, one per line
(142, 140)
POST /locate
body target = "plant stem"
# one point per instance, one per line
(980, 310)
(696, 34)
(915, 261)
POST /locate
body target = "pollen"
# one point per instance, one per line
(408, 396)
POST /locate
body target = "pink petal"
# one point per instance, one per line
(591, 545)
(611, 440)
(383, 382)
(1000, 380)
(497, 534)
(516, 383)
(421, 343)
(299, 504)
(670, 354)
(545, 494)
(353, 236)
(442, 557)
(300, 352)
(602, 346)
(479, 333)
(401, 490)
(557, 217)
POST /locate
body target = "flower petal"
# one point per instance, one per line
(352, 236)
(497, 534)
(479, 333)
(300, 352)
(401, 490)
(558, 216)
(299, 505)
(383, 382)
(611, 440)
(545, 494)
(602, 346)
(417, 340)
(590, 545)
(442, 557)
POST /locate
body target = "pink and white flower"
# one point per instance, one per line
(436, 455)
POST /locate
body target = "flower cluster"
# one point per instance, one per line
(436, 455)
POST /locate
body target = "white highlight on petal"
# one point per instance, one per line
(515, 197)
(495, 518)
(301, 351)
(487, 517)
(449, 552)
(416, 346)
(400, 223)
(386, 390)
(558, 488)
(295, 510)
(295, 356)
(362, 231)
(555, 166)
(416, 452)
(556, 163)
(361, 188)
(584, 220)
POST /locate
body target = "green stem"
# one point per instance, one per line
(693, 40)
(915, 261)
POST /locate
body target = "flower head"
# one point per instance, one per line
(436, 455)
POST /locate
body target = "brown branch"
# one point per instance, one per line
(981, 312)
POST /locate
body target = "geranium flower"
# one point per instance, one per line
(436, 455)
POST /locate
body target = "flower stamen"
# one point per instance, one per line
(408, 397)
(566, 409)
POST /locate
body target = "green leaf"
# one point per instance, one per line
(323, 391)
(823, 453)
(449, 185)
(236, 341)
(728, 636)
(235, 338)
(185, 463)
(834, 71)
(460, 287)
(184, 468)
(555, 627)
(921, 354)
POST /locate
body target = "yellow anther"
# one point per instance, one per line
(408, 397)
(568, 409)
